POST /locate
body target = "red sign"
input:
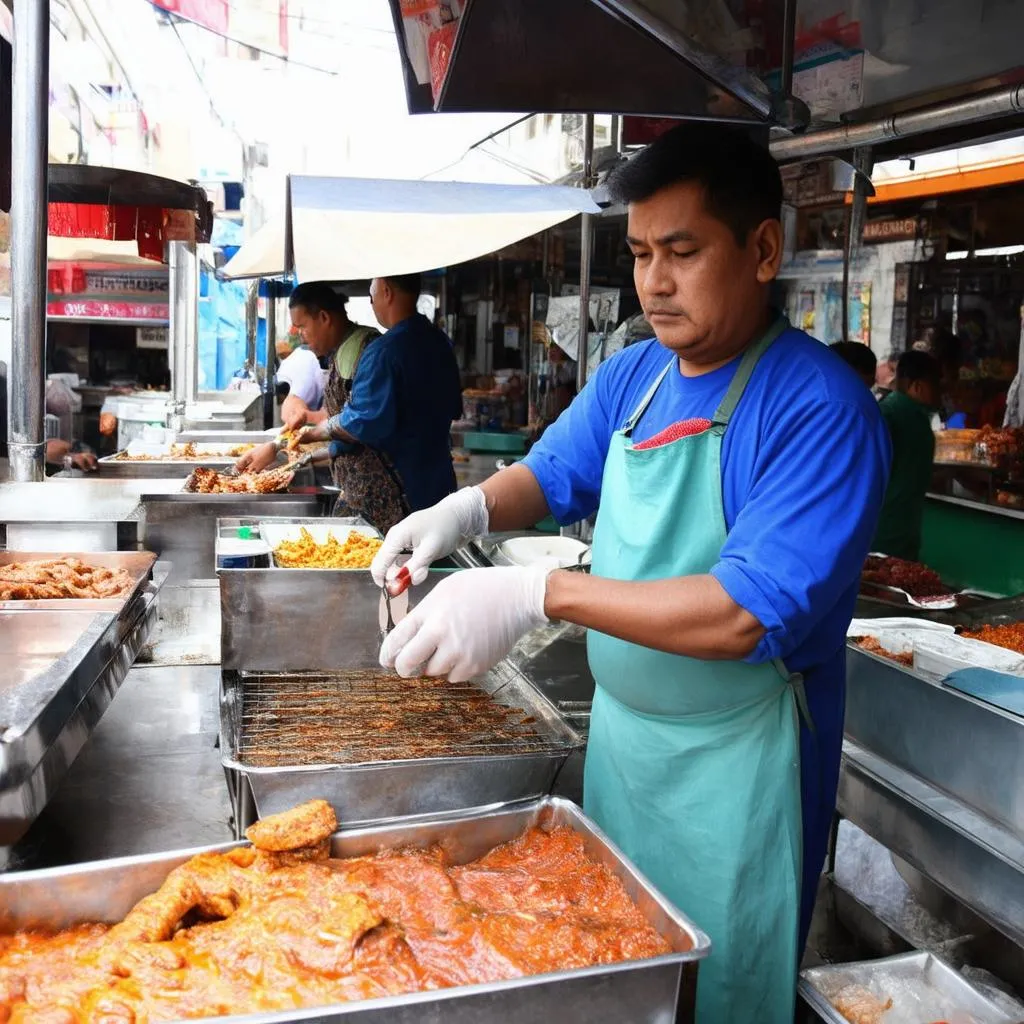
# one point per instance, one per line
(92, 309)
(211, 14)
(642, 131)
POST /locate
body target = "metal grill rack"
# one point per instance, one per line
(382, 748)
(363, 717)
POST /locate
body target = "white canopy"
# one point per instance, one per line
(345, 229)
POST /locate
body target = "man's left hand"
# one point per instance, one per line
(468, 623)
(85, 461)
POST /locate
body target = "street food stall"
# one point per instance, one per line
(257, 691)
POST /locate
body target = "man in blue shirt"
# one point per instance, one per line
(737, 468)
(404, 397)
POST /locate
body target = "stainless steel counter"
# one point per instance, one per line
(149, 780)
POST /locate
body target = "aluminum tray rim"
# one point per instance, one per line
(575, 818)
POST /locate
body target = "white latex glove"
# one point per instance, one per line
(432, 533)
(467, 623)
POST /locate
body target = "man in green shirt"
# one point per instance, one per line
(907, 412)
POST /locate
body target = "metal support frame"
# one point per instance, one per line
(29, 214)
(586, 253)
(942, 116)
(863, 163)
(270, 356)
(183, 266)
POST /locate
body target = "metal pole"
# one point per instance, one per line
(788, 45)
(586, 251)
(29, 151)
(271, 356)
(863, 162)
(184, 330)
(955, 114)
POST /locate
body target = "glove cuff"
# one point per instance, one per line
(470, 508)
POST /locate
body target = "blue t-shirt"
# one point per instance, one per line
(405, 394)
(805, 465)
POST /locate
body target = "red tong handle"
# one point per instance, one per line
(401, 583)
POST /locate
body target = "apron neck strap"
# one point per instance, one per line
(646, 400)
(745, 370)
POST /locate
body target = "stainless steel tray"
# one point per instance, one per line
(66, 667)
(139, 565)
(182, 528)
(655, 991)
(266, 625)
(387, 790)
(110, 467)
(921, 986)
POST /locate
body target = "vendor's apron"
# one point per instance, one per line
(369, 485)
(693, 766)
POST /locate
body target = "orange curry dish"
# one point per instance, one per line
(280, 925)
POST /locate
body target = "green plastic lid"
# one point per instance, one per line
(245, 533)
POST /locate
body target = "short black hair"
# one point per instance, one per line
(856, 355)
(915, 365)
(407, 284)
(740, 178)
(317, 296)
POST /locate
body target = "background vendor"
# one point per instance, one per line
(908, 411)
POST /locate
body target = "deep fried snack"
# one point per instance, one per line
(1010, 636)
(872, 645)
(307, 825)
(60, 578)
(208, 481)
(355, 552)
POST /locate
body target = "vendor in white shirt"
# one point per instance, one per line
(303, 377)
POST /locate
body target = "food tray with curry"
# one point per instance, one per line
(520, 914)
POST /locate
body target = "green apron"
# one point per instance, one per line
(693, 766)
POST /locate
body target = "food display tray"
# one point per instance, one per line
(277, 531)
(387, 790)
(139, 564)
(921, 986)
(660, 990)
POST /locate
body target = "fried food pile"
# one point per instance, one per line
(208, 481)
(872, 645)
(188, 452)
(1010, 636)
(916, 579)
(356, 551)
(62, 578)
(279, 926)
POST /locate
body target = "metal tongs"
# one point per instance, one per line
(394, 588)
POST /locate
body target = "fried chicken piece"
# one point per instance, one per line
(309, 824)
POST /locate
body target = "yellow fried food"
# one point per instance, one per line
(355, 552)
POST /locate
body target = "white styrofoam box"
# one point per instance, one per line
(939, 655)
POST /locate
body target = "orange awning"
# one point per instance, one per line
(942, 184)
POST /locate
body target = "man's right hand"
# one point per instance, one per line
(258, 458)
(294, 419)
(431, 534)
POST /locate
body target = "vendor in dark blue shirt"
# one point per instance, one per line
(405, 395)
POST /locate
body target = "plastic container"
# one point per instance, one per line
(242, 552)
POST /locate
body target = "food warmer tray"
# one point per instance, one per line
(922, 988)
(139, 565)
(380, 790)
(111, 467)
(657, 991)
(65, 666)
